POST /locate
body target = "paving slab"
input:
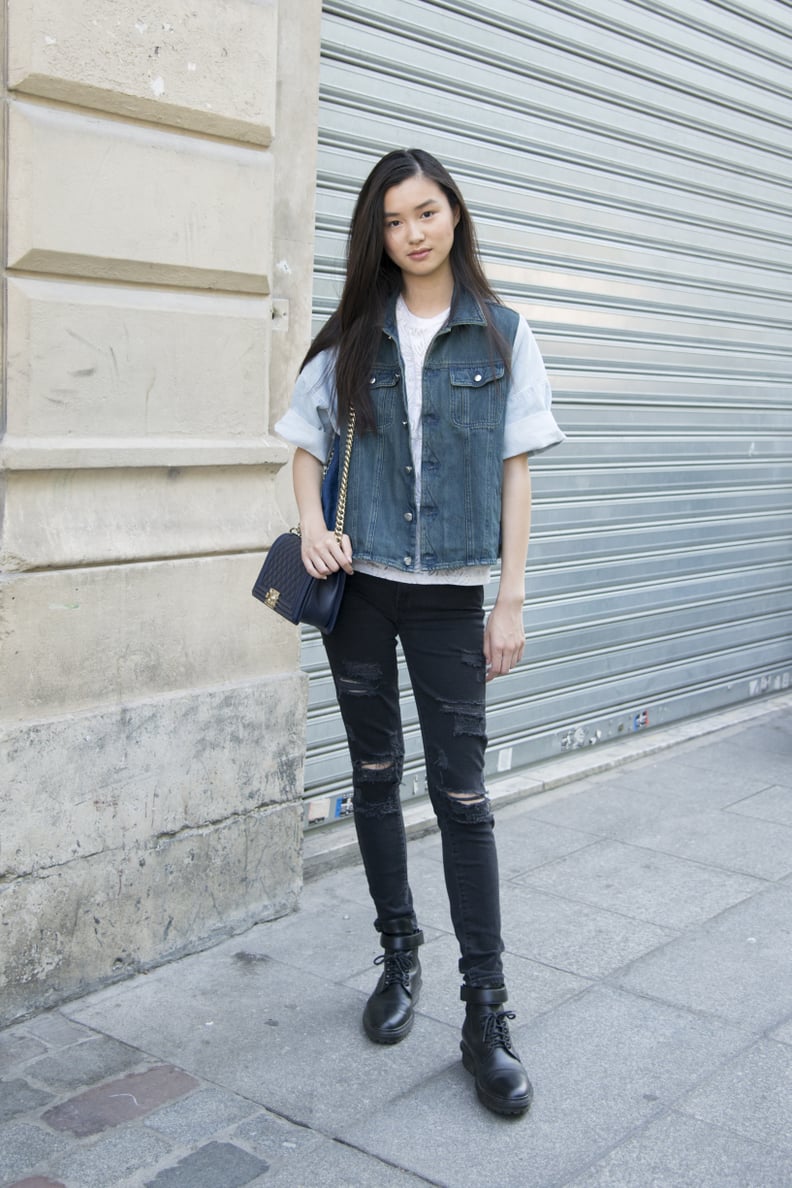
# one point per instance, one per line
(525, 843)
(643, 884)
(575, 937)
(332, 1164)
(746, 760)
(738, 966)
(684, 780)
(601, 1064)
(331, 941)
(771, 804)
(743, 845)
(273, 1138)
(783, 1033)
(751, 1095)
(679, 1152)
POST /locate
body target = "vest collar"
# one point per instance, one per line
(465, 311)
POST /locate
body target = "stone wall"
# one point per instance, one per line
(160, 166)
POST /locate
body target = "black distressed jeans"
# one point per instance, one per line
(441, 632)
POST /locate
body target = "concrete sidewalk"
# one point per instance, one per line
(648, 924)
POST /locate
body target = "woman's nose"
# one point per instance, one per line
(416, 233)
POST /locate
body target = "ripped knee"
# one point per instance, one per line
(469, 807)
(376, 786)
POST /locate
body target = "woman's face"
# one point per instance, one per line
(419, 224)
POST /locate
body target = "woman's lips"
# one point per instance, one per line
(419, 255)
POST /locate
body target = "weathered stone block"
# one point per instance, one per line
(99, 918)
(85, 783)
(199, 64)
(89, 196)
(118, 363)
(80, 638)
(89, 517)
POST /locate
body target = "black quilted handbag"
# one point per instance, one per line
(284, 584)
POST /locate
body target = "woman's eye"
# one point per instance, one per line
(427, 214)
(391, 224)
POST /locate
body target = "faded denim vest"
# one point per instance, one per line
(464, 411)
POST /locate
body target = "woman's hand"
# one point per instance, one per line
(321, 552)
(504, 638)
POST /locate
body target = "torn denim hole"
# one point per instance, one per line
(469, 717)
(476, 660)
(359, 679)
(376, 790)
(469, 807)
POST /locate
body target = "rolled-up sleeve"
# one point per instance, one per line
(530, 425)
(310, 420)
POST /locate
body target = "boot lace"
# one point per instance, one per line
(398, 967)
(495, 1029)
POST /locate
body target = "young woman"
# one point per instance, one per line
(450, 397)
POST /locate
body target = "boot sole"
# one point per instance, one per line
(394, 1035)
(498, 1105)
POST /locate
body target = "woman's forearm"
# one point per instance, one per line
(321, 552)
(307, 482)
(515, 528)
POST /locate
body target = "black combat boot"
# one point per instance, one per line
(388, 1015)
(502, 1084)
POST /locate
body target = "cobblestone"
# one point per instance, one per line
(207, 1112)
(110, 1159)
(17, 1097)
(84, 1063)
(216, 1165)
(18, 1049)
(132, 1096)
(23, 1146)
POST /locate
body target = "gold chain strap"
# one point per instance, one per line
(343, 481)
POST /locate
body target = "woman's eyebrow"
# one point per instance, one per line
(394, 214)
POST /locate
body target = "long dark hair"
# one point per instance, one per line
(372, 279)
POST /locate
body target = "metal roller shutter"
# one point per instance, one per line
(628, 164)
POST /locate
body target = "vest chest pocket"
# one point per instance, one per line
(384, 389)
(477, 395)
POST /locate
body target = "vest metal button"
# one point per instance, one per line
(408, 560)
(408, 517)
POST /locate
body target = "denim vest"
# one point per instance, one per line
(464, 409)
